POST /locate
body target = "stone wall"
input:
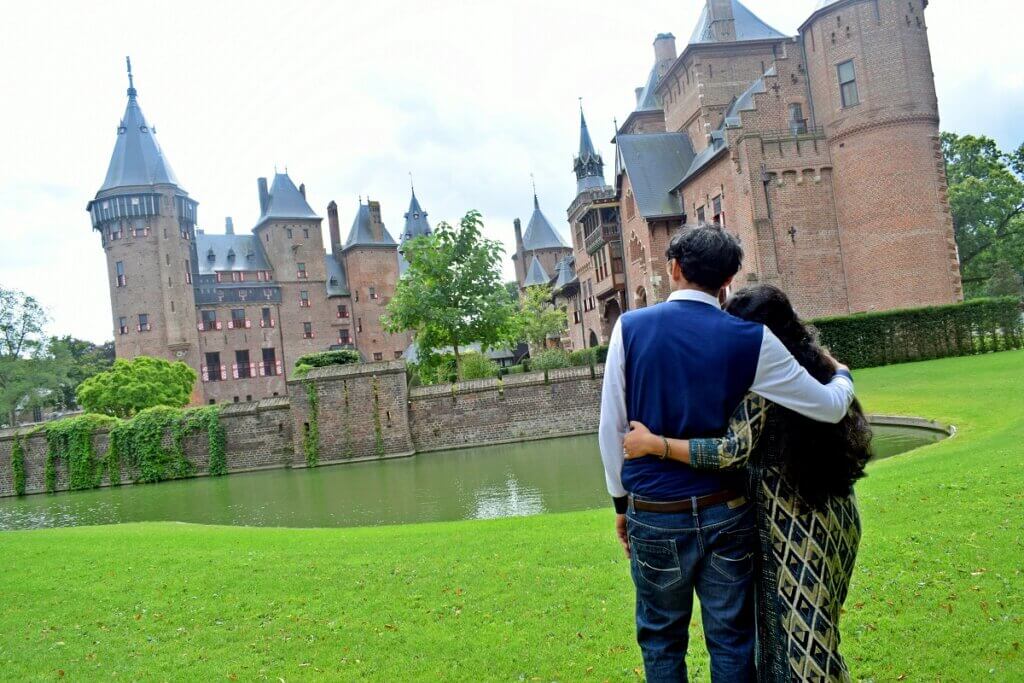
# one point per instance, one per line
(517, 408)
(258, 436)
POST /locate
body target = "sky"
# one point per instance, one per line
(471, 98)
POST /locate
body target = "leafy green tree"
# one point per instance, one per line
(30, 371)
(85, 360)
(1005, 281)
(986, 197)
(513, 290)
(478, 366)
(537, 319)
(137, 384)
(452, 293)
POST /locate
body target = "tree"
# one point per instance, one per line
(137, 384)
(85, 360)
(986, 197)
(537, 319)
(452, 292)
(513, 290)
(1005, 281)
(30, 370)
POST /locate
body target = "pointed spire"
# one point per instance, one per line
(131, 81)
(588, 166)
(539, 233)
(586, 145)
(536, 204)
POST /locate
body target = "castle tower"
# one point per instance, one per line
(588, 165)
(416, 225)
(371, 256)
(146, 222)
(872, 89)
(541, 242)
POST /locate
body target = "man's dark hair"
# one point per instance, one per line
(707, 255)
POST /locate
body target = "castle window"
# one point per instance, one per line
(398, 354)
(305, 233)
(342, 311)
(122, 280)
(797, 122)
(188, 273)
(288, 231)
(209, 321)
(630, 205)
(700, 216)
(231, 254)
(122, 325)
(213, 371)
(373, 292)
(302, 271)
(270, 366)
(378, 355)
(242, 369)
(304, 299)
(307, 330)
(359, 325)
(718, 218)
(115, 231)
(238, 319)
(266, 320)
(848, 84)
(343, 336)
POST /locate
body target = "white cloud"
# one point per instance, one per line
(469, 97)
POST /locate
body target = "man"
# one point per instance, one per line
(681, 368)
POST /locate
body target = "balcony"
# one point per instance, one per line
(600, 237)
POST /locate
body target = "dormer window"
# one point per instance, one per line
(210, 256)
(334, 281)
(231, 254)
(144, 129)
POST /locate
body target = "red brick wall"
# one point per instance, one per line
(376, 267)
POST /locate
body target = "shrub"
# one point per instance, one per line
(550, 359)
(583, 357)
(478, 366)
(868, 339)
(135, 385)
(436, 369)
(513, 370)
(303, 364)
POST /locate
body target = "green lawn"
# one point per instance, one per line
(938, 593)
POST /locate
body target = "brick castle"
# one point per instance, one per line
(239, 308)
(819, 151)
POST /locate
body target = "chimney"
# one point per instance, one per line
(229, 226)
(519, 236)
(302, 190)
(664, 50)
(333, 226)
(375, 223)
(721, 20)
(264, 195)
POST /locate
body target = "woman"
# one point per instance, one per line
(800, 478)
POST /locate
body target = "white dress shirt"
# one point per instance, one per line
(778, 378)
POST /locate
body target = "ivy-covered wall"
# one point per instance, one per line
(90, 450)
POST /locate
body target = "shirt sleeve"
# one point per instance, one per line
(732, 450)
(614, 420)
(780, 378)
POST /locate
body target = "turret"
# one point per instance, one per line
(588, 165)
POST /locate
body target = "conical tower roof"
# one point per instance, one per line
(536, 275)
(285, 202)
(363, 234)
(588, 166)
(539, 233)
(137, 158)
(416, 223)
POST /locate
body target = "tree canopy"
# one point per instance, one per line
(85, 359)
(134, 385)
(537, 318)
(986, 197)
(452, 292)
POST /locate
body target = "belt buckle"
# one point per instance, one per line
(736, 502)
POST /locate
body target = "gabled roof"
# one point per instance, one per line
(536, 275)
(706, 156)
(539, 233)
(654, 163)
(137, 157)
(229, 252)
(337, 278)
(748, 26)
(285, 202)
(362, 233)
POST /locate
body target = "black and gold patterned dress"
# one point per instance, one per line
(807, 556)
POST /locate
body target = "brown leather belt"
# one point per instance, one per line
(735, 500)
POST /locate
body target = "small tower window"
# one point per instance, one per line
(210, 256)
(304, 299)
(373, 292)
(301, 267)
(122, 325)
(307, 330)
(119, 270)
(144, 325)
(231, 254)
(848, 84)
(305, 233)
(288, 231)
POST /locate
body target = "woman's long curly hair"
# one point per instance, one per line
(819, 460)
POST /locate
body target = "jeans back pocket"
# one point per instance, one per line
(656, 561)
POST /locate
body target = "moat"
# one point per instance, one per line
(553, 475)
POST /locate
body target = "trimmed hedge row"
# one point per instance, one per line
(978, 326)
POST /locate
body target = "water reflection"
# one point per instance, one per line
(482, 483)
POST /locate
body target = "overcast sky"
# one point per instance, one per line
(470, 97)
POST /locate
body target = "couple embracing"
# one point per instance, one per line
(730, 443)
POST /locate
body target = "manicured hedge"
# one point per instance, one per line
(303, 364)
(595, 355)
(978, 326)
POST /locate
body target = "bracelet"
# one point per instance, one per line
(665, 454)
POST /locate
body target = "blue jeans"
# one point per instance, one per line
(673, 554)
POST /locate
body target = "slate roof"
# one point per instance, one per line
(536, 275)
(588, 165)
(748, 26)
(647, 100)
(655, 162)
(285, 202)
(137, 157)
(539, 233)
(565, 272)
(337, 278)
(745, 102)
(416, 224)
(230, 253)
(362, 235)
(706, 156)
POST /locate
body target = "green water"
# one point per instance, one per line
(530, 478)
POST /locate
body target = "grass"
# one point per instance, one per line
(938, 593)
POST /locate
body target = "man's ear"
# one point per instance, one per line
(727, 283)
(670, 268)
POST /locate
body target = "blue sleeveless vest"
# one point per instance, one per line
(688, 365)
